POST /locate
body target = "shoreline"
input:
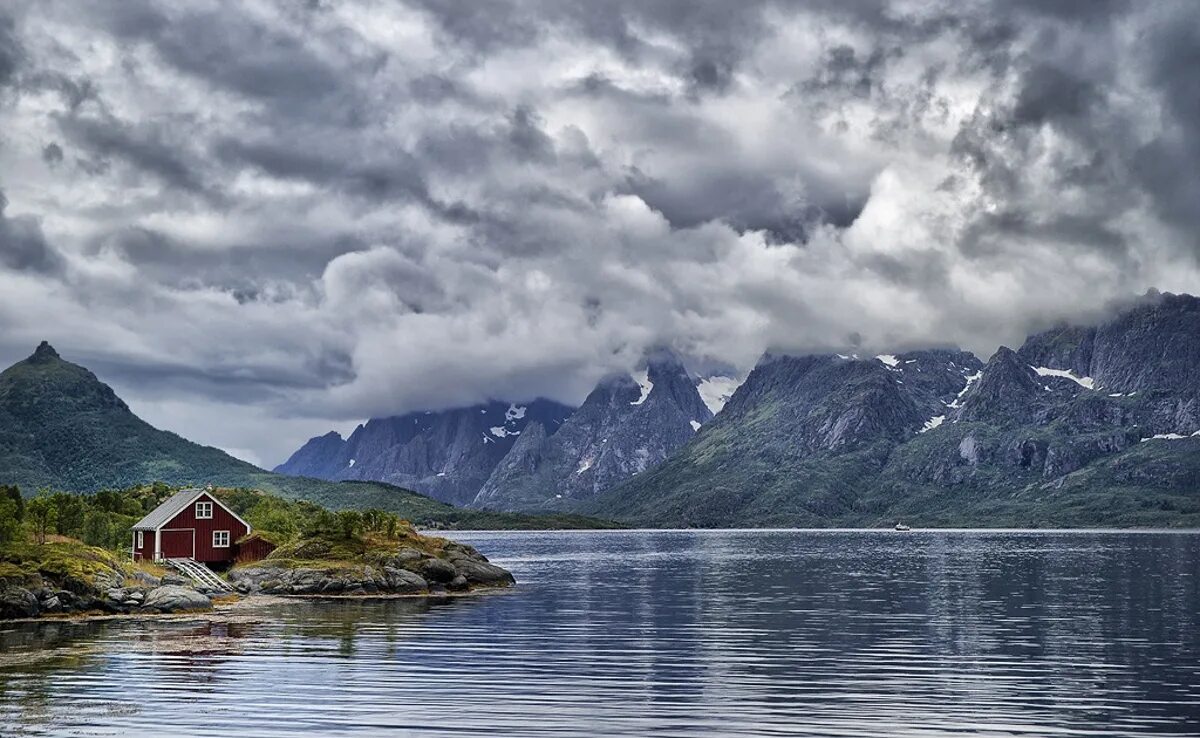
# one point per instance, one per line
(248, 603)
(915, 529)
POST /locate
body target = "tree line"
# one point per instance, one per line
(105, 519)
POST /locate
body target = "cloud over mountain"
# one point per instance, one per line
(323, 210)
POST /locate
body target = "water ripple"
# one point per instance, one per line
(771, 633)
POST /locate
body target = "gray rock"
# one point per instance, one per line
(18, 602)
(175, 580)
(407, 555)
(107, 580)
(403, 581)
(488, 575)
(458, 584)
(332, 587)
(437, 570)
(147, 579)
(171, 598)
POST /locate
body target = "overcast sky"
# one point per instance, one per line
(261, 220)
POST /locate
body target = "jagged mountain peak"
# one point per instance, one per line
(628, 424)
(1007, 390)
(447, 454)
(664, 360)
(44, 353)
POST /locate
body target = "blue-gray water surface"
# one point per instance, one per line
(684, 633)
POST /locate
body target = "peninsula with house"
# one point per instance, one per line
(196, 547)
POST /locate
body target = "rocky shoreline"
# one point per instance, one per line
(110, 596)
(406, 571)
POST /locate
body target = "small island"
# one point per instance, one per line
(69, 555)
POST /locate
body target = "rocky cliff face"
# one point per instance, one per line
(626, 426)
(1153, 345)
(447, 455)
(794, 437)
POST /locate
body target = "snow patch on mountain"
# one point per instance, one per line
(932, 423)
(966, 388)
(514, 412)
(716, 391)
(1085, 382)
(643, 380)
(1170, 437)
(695, 425)
(889, 360)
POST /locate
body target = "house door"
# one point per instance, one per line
(179, 543)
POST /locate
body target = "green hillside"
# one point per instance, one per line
(61, 428)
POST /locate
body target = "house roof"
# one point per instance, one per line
(170, 507)
(177, 503)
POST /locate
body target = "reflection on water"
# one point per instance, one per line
(671, 633)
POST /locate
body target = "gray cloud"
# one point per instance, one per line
(10, 50)
(311, 213)
(23, 247)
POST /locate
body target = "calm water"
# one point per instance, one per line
(672, 633)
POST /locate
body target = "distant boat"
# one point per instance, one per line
(902, 526)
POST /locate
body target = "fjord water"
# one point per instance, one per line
(822, 633)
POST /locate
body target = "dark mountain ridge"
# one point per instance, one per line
(626, 426)
(447, 454)
(536, 456)
(1083, 425)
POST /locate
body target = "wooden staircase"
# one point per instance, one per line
(200, 574)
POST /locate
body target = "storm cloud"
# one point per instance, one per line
(259, 220)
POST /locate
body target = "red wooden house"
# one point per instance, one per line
(191, 524)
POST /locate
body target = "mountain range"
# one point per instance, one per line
(447, 454)
(1082, 425)
(539, 455)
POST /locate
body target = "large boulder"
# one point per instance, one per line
(172, 598)
(403, 581)
(482, 573)
(18, 602)
(407, 555)
(437, 570)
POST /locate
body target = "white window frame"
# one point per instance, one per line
(141, 541)
(217, 535)
(204, 510)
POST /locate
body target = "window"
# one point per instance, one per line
(141, 541)
(220, 539)
(203, 510)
